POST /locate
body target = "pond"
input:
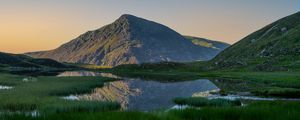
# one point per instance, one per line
(147, 95)
(140, 94)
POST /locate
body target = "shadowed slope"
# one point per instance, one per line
(274, 47)
(16, 60)
(129, 40)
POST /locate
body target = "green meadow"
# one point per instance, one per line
(276, 110)
(44, 94)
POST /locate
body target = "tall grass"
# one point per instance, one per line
(255, 111)
(274, 110)
(204, 102)
(79, 106)
(279, 92)
(44, 94)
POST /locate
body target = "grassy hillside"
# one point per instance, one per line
(17, 60)
(275, 47)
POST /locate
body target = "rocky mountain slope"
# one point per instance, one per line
(128, 40)
(217, 45)
(274, 47)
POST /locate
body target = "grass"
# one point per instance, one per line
(275, 84)
(256, 111)
(204, 102)
(89, 116)
(275, 110)
(25, 62)
(270, 48)
(279, 92)
(80, 106)
(44, 94)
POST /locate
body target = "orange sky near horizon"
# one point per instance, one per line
(43, 25)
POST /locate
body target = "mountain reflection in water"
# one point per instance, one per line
(85, 73)
(140, 94)
(144, 95)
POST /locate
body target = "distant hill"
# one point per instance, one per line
(274, 47)
(208, 43)
(129, 40)
(16, 60)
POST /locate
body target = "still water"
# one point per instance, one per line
(140, 94)
(85, 73)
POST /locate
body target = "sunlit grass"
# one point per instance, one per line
(274, 110)
(44, 94)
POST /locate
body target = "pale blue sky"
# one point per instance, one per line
(53, 22)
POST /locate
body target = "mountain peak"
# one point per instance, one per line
(128, 40)
(127, 16)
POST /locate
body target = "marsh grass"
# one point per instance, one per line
(270, 84)
(204, 102)
(279, 92)
(45, 94)
(274, 110)
(91, 116)
(80, 106)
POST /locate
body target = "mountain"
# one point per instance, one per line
(128, 40)
(16, 60)
(274, 47)
(217, 45)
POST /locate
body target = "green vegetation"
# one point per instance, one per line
(26, 62)
(43, 94)
(204, 102)
(278, 84)
(279, 92)
(275, 47)
(253, 111)
(275, 110)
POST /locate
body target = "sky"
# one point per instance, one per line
(35, 25)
